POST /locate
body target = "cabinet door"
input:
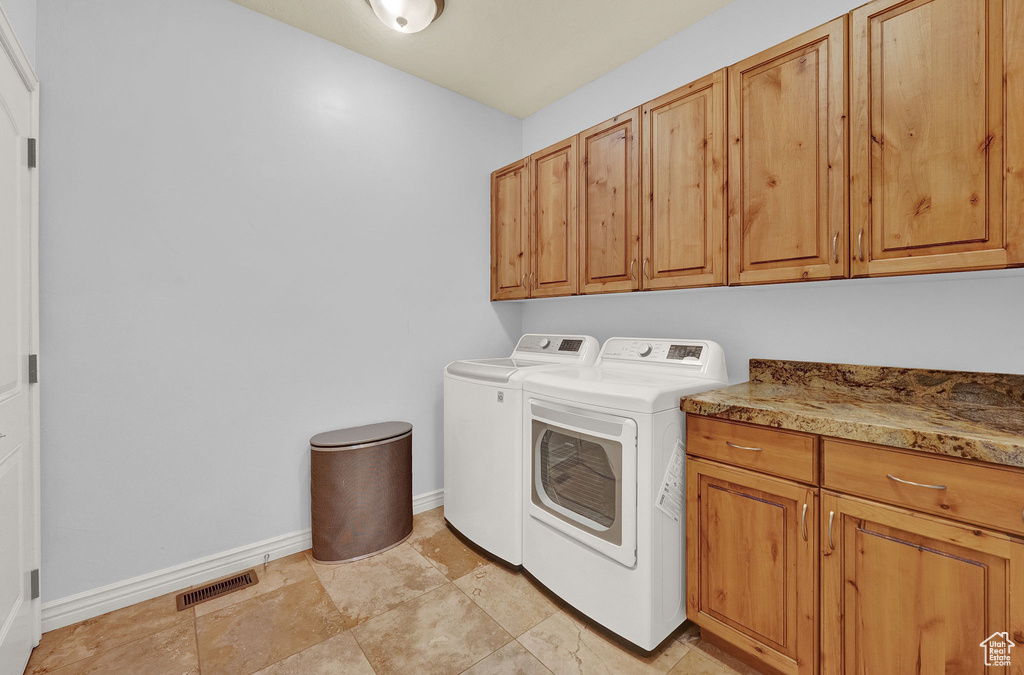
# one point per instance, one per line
(510, 233)
(928, 150)
(751, 556)
(1014, 133)
(787, 160)
(684, 186)
(904, 593)
(610, 205)
(553, 223)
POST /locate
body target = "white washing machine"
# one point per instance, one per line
(604, 519)
(483, 452)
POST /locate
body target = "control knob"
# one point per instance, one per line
(545, 343)
(644, 349)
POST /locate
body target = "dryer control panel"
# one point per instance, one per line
(696, 356)
(639, 349)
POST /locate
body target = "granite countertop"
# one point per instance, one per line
(976, 416)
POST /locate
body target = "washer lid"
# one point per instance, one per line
(370, 433)
(490, 370)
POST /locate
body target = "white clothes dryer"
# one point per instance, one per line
(483, 452)
(604, 510)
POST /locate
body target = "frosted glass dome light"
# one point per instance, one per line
(407, 16)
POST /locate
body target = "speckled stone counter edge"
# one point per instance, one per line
(877, 405)
(991, 389)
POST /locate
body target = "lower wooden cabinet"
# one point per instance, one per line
(752, 579)
(904, 593)
(904, 587)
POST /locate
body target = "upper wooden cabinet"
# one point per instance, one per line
(683, 241)
(609, 205)
(1013, 134)
(936, 126)
(894, 147)
(787, 160)
(553, 223)
(510, 233)
(906, 594)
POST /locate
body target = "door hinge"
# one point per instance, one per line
(33, 368)
(34, 582)
(33, 159)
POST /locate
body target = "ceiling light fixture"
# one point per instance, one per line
(407, 16)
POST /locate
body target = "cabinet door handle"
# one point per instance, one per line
(532, 284)
(835, 248)
(743, 447)
(644, 270)
(860, 245)
(522, 282)
(831, 517)
(632, 264)
(910, 482)
(803, 523)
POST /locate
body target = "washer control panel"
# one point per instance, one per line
(565, 345)
(685, 352)
(689, 352)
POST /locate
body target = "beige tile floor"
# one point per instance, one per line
(430, 605)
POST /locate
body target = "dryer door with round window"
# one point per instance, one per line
(583, 476)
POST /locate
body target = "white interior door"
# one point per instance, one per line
(19, 419)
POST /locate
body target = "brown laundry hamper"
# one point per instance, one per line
(360, 490)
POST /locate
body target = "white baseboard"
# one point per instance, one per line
(428, 500)
(82, 606)
(75, 608)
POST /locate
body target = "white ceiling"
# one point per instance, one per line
(514, 55)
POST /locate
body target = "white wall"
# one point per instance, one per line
(22, 15)
(249, 235)
(969, 321)
(738, 30)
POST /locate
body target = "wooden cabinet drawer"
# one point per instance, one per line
(789, 454)
(974, 492)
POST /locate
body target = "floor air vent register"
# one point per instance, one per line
(216, 589)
